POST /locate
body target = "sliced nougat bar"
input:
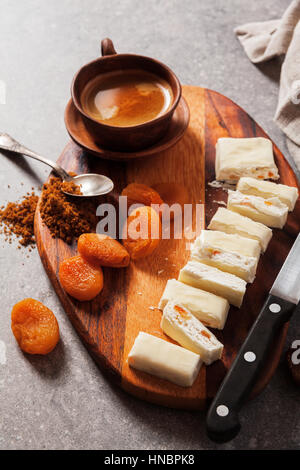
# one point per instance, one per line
(271, 212)
(214, 280)
(231, 222)
(229, 252)
(165, 360)
(237, 157)
(267, 189)
(209, 308)
(178, 323)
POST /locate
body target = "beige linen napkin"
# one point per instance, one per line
(265, 40)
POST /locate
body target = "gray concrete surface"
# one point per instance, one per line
(63, 401)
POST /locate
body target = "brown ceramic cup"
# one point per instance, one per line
(130, 138)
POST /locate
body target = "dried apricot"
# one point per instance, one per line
(34, 327)
(142, 232)
(138, 193)
(80, 279)
(102, 250)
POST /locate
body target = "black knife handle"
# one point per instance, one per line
(222, 422)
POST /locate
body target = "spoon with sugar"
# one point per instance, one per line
(89, 184)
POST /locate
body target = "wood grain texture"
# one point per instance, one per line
(109, 324)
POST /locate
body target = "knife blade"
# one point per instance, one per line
(222, 423)
(287, 283)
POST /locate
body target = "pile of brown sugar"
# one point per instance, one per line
(65, 217)
(17, 218)
(71, 187)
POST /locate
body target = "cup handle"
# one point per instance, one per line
(107, 47)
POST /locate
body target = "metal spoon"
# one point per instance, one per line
(90, 184)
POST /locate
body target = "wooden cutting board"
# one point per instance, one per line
(109, 324)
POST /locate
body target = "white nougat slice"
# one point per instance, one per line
(267, 189)
(237, 157)
(214, 280)
(271, 212)
(230, 253)
(178, 323)
(211, 309)
(228, 221)
(229, 242)
(165, 360)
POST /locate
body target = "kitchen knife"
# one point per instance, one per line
(222, 422)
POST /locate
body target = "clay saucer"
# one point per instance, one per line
(82, 137)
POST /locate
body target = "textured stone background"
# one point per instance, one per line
(63, 401)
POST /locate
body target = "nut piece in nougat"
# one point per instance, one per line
(237, 157)
(178, 323)
(287, 194)
(271, 212)
(165, 360)
(214, 280)
(230, 253)
(209, 308)
(228, 221)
